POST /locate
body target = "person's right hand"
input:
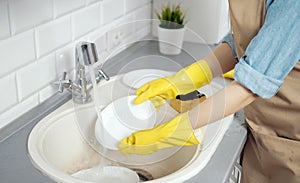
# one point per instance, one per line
(185, 81)
(229, 74)
(177, 132)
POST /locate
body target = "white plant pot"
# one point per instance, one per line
(170, 40)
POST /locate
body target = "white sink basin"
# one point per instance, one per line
(58, 149)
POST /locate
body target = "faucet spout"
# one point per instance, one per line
(86, 55)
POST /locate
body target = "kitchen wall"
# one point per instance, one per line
(207, 20)
(37, 40)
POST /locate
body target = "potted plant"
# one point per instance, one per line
(171, 29)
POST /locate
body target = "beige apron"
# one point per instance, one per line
(272, 150)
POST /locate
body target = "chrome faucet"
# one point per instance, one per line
(85, 55)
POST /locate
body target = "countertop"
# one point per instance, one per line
(15, 165)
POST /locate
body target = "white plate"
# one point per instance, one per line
(121, 118)
(137, 78)
(108, 174)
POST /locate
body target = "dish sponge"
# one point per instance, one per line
(183, 103)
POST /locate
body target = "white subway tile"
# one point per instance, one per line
(26, 14)
(35, 76)
(133, 4)
(99, 38)
(86, 20)
(4, 20)
(8, 93)
(112, 9)
(64, 6)
(143, 17)
(127, 25)
(92, 1)
(117, 35)
(16, 51)
(142, 33)
(53, 35)
(19, 109)
(65, 60)
(114, 39)
(47, 92)
(101, 43)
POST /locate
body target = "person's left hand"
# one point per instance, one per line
(177, 132)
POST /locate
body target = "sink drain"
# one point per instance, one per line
(143, 175)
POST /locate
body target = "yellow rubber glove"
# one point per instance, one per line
(157, 101)
(229, 74)
(185, 81)
(177, 132)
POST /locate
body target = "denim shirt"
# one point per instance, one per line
(273, 52)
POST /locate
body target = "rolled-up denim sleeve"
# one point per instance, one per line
(229, 39)
(273, 52)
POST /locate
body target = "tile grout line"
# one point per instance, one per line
(9, 18)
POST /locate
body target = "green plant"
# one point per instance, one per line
(171, 17)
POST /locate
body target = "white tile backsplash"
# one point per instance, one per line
(86, 20)
(112, 9)
(92, 1)
(117, 37)
(37, 41)
(143, 16)
(64, 60)
(62, 7)
(127, 25)
(16, 52)
(4, 20)
(133, 4)
(36, 76)
(53, 35)
(47, 92)
(140, 34)
(8, 93)
(26, 14)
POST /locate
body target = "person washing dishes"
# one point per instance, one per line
(266, 43)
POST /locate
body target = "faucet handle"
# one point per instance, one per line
(62, 82)
(101, 75)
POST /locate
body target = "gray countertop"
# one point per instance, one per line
(15, 165)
